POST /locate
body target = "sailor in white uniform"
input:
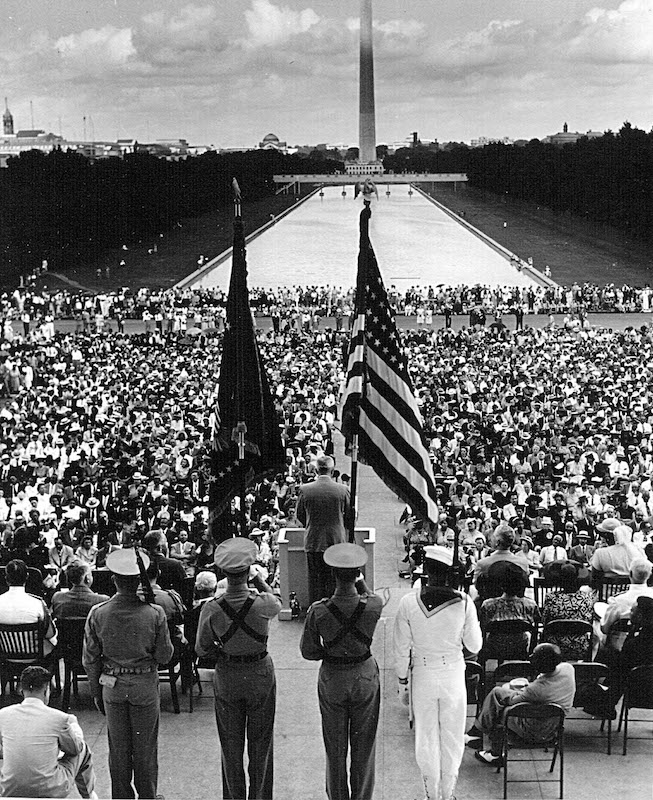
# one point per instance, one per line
(434, 622)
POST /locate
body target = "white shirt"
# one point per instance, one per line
(435, 637)
(620, 605)
(17, 607)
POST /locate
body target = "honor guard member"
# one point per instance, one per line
(433, 623)
(125, 640)
(339, 631)
(233, 629)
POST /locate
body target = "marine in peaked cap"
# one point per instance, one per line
(124, 642)
(338, 632)
(233, 629)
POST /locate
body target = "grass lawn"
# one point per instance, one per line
(177, 251)
(574, 250)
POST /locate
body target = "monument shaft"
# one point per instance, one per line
(367, 125)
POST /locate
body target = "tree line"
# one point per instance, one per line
(64, 207)
(607, 181)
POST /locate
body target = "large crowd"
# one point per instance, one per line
(28, 310)
(541, 441)
(526, 427)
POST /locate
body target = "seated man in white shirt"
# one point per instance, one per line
(31, 737)
(555, 683)
(17, 607)
(619, 606)
(553, 552)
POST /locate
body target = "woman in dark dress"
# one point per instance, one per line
(569, 603)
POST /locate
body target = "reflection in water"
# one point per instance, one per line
(415, 243)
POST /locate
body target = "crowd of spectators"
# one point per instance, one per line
(105, 438)
(27, 310)
(541, 441)
(547, 429)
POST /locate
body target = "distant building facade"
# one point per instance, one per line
(14, 143)
(482, 141)
(568, 137)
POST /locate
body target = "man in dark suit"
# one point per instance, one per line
(324, 509)
(80, 599)
(197, 487)
(171, 572)
(583, 551)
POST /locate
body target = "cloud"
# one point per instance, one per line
(615, 36)
(194, 33)
(95, 49)
(499, 45)
(269, 25)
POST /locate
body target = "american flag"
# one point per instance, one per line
(379, 403)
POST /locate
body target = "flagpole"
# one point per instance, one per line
(241, 427)
(357, 411)
(353, 453)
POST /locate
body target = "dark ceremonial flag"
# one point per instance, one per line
(247, 442)
(379, 403)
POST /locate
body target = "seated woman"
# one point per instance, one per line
(569, 603)
(532, 556)
(511, 606)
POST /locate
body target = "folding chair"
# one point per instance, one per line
(34, 583)
(618, 634)
(474, 683)
(534, 711)
(512, 668)
(541, 588)
(172, 671)
(638, 694)
(69, 648)
(191, 663)
(504, 649)
(21, 646)
(608, 587)
(558, 628)
(411, 710)
(588, 674)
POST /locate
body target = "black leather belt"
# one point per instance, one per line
(244, 659)
(347, 660)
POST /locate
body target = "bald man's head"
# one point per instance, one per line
(325, 465)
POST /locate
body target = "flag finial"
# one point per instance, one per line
(237, 197)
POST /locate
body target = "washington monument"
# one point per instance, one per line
(367, 122)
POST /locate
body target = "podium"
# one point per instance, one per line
(293, 570)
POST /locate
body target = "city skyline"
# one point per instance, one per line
(226, 74)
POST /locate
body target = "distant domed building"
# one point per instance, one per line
(272, 142)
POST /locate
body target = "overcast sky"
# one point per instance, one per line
(227, 72)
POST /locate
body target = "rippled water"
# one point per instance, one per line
(415, 244)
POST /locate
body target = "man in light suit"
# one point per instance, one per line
(31, 736)
(324, 509)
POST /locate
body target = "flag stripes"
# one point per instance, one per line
(378, 403)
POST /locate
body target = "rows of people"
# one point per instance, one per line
(534, 434)
(29, 312)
